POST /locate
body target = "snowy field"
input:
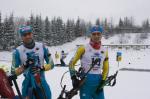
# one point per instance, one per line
(130, 84)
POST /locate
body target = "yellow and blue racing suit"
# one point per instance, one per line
(99, 72)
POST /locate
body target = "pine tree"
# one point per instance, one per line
(88, 26)
(47, 32)
(38, 29)
(31, 22)
(0, 24)
(83, 28)
(61, 36)
(121, 23)
(1, 32)
(9, 33)
(97, 22)
(146, 24)
(78, 28)
(70, 30)
(53, 31)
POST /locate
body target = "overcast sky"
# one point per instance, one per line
(85, 9)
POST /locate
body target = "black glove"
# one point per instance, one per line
(75, 81)
(29, 63)
(42, 68)
(12, 77)
(100, 87)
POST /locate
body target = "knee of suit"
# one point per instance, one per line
(89, 92)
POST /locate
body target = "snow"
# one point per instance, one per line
(127, 38)
(130, 85)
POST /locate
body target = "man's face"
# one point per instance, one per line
(96, 37)
(27, 38)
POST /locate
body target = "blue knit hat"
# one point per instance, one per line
(96, 29)
(25, 29)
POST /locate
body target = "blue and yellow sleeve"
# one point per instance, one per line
(16, 62)
(105, 67)
(49, 61)
(80, 51)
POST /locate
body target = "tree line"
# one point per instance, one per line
(55, 31)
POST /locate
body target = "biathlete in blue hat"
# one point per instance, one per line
(94, 61)
(28, 59)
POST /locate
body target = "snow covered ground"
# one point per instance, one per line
(130, 85)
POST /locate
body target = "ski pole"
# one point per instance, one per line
(62, 93)
(17, 88)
